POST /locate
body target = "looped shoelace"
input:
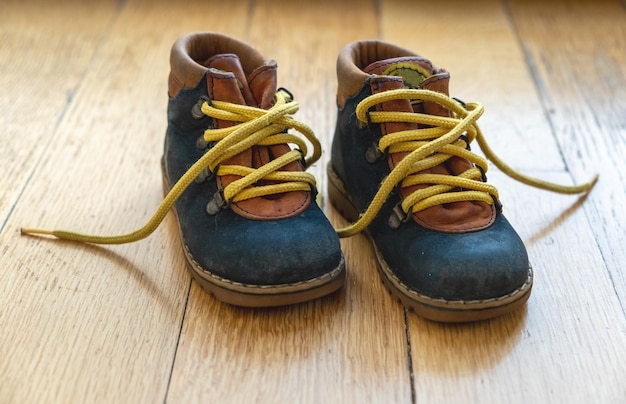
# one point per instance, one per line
(442, 138)
(254, 126)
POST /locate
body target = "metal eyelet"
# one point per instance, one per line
(196, 109)
(216, 204)
(460, 102)
(464, 138)
(289, 97)
(483, 175)
(398, 216)
(201, 144)
(373, 153)
(497, 203)
(203, 176)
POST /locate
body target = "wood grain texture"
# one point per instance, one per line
(549, 352)
(42, 64)
(89, 324)
(578, 53)
(475, 43)
(567, 346)
(350, 347)
(126, 324)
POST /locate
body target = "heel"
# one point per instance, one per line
(339, 197)
(166, 183)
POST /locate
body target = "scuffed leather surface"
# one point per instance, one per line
(226, 81)
(190, 50)
(230, 246)
(356, 56)
(455, 217)
(453, 266)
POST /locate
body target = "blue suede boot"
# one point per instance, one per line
(249, 225)
(402, 169)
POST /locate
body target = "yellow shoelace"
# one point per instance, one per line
(445, 137)
(255, 127)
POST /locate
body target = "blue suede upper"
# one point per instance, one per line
(474, 265)
(227, 245)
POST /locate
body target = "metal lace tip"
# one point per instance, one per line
(29, 231)
(216, 204)
(397, 217)
(593, 182)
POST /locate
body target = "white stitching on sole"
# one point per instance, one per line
(452, 304)
(235, 286)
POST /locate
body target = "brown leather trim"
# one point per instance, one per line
(272, 207)
(173, 84)
(437, 82)
(380, 84)
(288, 205)
(262, 83)
(455, 217)
(224, 86)
(354, 57)
(191, 50)
(483, 216)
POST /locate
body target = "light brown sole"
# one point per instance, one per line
(433, 309)
(245, 295)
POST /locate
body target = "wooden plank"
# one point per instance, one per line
(307, 56)
(84, 324)
(91, 324)
(578, 53)
(349, 347)
(42, 61)
(474, 41)
(568, 344)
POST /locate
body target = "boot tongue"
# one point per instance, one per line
(227, 81)
(417, 73)
(231, 84)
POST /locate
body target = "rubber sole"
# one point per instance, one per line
(441, 310)
(246, 295)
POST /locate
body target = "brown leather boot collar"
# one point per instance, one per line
(354, 69)
(191, 50)
(355, 57)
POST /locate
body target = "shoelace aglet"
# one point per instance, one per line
(30, 231)
(592, 183)
(278, 112)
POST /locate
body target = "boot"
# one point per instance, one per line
(402, 169)
(272, 249)
(249, 225)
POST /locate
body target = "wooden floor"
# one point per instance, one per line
(83, 102)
